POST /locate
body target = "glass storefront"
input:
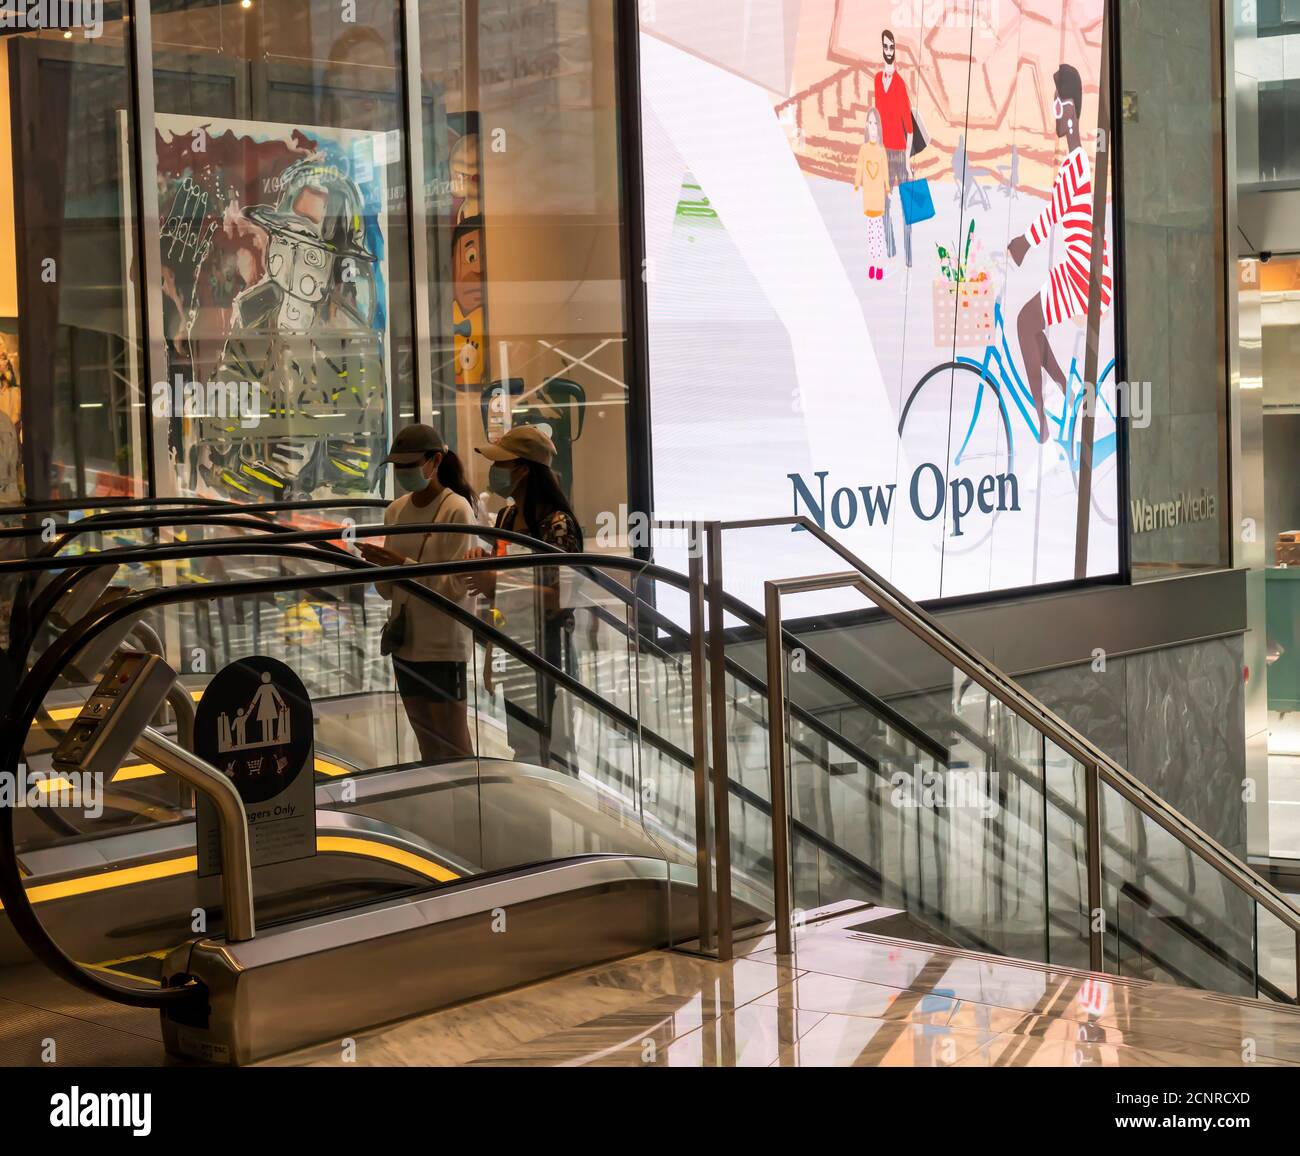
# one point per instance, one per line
(302, 302)
(72, 400)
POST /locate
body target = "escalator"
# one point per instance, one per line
(605, 828)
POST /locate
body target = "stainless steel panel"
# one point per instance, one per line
(328, 978)
(1040, 632)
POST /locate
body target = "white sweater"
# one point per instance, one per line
(431, 635)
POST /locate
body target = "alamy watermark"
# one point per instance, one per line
(980, 15)
(229, 401)
(626, 529)
(952, 789)
(64, 790)
(86, 15)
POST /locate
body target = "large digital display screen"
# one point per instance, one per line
(870, 252)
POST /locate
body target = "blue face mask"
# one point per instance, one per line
(500, 481)
(411, 479)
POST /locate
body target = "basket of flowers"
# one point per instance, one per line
(962, 300)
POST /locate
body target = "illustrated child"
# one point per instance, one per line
(873, 179)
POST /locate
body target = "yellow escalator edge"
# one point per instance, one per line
(348, 845)
(184, 864)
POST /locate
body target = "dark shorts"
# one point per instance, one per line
(439, 681)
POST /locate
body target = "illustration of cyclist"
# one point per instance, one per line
(1064, 294)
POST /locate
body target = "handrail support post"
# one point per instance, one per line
(783, 905)
(1092, 860)
(718, 730)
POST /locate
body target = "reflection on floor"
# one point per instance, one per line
(846, 998)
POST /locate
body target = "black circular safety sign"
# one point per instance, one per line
(255, 724)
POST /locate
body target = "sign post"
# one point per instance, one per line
(255, 724)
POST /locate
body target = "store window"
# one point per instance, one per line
(72, 402)
(524, 217)
(283, 246)
(283, 339)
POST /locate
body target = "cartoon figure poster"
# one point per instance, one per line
(870, 249)
(274, 280)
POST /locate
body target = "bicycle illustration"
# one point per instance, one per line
(980, 423)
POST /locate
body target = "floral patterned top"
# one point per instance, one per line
(557, 529)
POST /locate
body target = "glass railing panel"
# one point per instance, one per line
(664, 672)
(1068, 924)
(583, 630)
(1276, 947)
(933, 784)
(1170, 916)
(392, 816)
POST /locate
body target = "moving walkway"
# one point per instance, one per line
(598, 853)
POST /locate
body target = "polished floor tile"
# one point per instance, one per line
(652, 1036)
(839, 1041)
(843, 998)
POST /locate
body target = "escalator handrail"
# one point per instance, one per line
(68, 505)
(39, 681)
(258, 518)
(930, 631)
(20, 640)
(405, 576)
(19, 646)
(731, 604)
(241, 518)
(271, 548)
(216, 507)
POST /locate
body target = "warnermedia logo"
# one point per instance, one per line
(77, 1109)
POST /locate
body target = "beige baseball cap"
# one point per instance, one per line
(524, 441)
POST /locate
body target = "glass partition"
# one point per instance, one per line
(524, 213)
(284, 245)
(73, 390)
(1169, 915)
(550, 766)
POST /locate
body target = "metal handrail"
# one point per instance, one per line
(136, 516)
(232, 826)
(1098, 766)
(36, 685)
(214, 547)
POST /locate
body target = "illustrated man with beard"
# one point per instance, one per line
(894, 106)
(304, 333)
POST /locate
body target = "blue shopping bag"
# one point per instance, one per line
(918, 205)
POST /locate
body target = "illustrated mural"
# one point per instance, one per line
(468, 253)
(274, 267)
(887, 206)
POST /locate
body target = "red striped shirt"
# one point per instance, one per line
(1071, 208)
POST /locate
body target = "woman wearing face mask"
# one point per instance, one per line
(429, 649)
(521, 471)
